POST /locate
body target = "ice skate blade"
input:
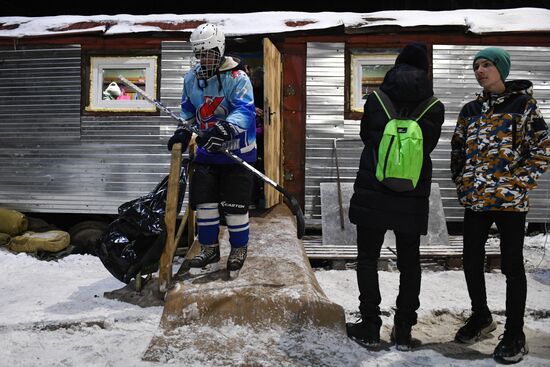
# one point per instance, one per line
(233, 274)
(210, 268)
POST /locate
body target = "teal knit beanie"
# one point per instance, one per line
(497, 56)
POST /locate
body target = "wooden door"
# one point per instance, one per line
(273, 155)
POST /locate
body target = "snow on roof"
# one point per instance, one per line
(475, 21)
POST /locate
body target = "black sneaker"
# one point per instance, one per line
(511, 348)
(365, 333)
(476, 327)
(205, 261)
(235, 260)
(401, 336)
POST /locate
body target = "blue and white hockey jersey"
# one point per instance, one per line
(232, 102)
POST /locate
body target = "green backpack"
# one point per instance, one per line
(401, 153)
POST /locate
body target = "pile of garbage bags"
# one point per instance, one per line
(135, 240)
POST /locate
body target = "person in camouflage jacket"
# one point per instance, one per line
(500, 148)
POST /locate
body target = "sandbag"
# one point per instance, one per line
(51, 241)
(12, 222)
(4, 239)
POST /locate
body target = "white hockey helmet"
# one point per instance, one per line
(208, 43)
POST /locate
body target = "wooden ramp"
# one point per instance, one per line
(262, 315)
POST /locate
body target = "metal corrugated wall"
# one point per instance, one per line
(454, 84)
(176, 61)
(90, 164)
(40, 94)
(324, 120)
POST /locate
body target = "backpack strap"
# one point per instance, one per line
(386, 104)
(389, 108)
(423, 107)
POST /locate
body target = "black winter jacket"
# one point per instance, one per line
(372, 204)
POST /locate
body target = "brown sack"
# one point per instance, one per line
(51, 241)
(4, 239)
(12, 222)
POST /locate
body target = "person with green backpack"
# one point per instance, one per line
(400, 127)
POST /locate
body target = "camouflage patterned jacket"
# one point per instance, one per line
(499, 149)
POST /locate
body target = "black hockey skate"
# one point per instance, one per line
(235, 261)
(206, 261)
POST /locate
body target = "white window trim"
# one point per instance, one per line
(98, 64)
(357, 62)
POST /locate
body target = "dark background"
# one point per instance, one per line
(141, 7)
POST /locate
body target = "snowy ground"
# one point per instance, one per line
(54, 314)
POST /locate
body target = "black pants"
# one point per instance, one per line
(511, 226)
(227, 184)
(369, 243)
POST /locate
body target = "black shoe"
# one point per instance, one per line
(401, 336)
(476, 327)
(235, 260)
(365, 332)
(511, 348)
(206, 261)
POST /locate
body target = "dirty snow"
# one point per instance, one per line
(54, 314)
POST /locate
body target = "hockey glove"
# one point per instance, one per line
(212, 141)
(180, 136)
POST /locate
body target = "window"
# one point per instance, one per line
(108, 93)
(367, 73)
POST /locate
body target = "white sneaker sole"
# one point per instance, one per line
(512, 359)
(403, 348)
(373, 345)
(210, 268)
(483, 334)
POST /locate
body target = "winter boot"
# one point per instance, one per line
(511, 348)
(401, 336)
(476, 326)
(365, 332)
(205, 261)
(235, 260)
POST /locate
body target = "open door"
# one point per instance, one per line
(273, 156)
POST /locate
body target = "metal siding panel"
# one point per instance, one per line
(117, 159)
(325, 72)
(36, 85)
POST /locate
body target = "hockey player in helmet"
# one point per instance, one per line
(217, 97)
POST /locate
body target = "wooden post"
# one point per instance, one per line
(165, 267)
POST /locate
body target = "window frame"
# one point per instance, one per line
(358, 59)
(100, 63)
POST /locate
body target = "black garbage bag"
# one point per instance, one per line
(135, 240)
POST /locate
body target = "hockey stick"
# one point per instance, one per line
(294, 204)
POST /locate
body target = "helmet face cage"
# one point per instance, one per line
(209, 61)
(208, 42)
